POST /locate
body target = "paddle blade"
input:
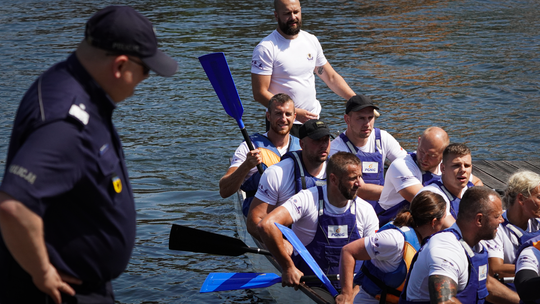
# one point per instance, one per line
(301, 249)
(195, 240)
(232, 281)
(218, 72)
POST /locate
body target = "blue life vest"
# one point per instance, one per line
(454, 200)
(476, 290)
(270, 155)
(387, 286)
(302, 178)
(372, 163)
(386, 215)
(333, 232)
(522, 236)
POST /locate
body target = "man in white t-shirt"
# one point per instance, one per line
(407, 175)
(325, 218)
(441, 272)
(285, 60)
(372, 145)
(269, 148)
(521, 222)
(298, 170)
(456, 176)
(527, 277)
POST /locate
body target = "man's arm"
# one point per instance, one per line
(257, 211)
(442, 289)
(22, 231)
(499, 293)
(350, 253)
(334, 81)
(260, 84)
(497, 265)
(233, 179)
(410, 192)
(273, 240)
(369, 192)
(527, 282)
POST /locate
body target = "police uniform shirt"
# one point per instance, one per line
(65, 163)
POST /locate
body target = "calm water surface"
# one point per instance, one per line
(471, 67)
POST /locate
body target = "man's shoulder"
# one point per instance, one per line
(405, 161)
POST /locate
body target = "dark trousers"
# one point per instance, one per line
(16, 287)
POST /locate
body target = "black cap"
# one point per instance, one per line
(122, 30)
(358, 102)
(314, 129)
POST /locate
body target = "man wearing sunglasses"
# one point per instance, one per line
(67, 214)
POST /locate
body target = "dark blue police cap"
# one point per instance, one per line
(121, 29)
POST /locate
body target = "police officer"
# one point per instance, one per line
(67, 213)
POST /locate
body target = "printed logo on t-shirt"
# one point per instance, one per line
(406, 178)
(256, 64)
(482, 272)
(297, 206)
(309, 56)
(338, 231)
(370, 167)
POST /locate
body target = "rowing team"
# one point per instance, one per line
(428, 231)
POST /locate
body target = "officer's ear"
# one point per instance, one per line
(119, 65)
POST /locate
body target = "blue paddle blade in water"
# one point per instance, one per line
(218, 72)
(301, 249)
(232, 281)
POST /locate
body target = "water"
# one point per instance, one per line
(471, 67)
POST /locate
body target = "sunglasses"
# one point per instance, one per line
(146, 69)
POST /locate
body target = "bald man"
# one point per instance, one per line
(284, 62)
(407, 175)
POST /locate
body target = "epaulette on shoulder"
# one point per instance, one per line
(78, 112)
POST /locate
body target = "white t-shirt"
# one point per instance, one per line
(529, 259)
(442, 255)
(436, 189)
(277, 183)
(304, 210)
(402, 173)
(390, 147)
(505, 244)
(291, 63)
(240, 156)
(385, 249)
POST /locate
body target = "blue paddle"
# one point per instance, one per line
(301, 249)
(218, 72)
(218, 281)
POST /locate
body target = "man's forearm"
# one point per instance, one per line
(370, 192)
(22, 231)
(499, 293)
(232, 181)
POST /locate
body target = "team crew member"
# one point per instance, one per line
(285, 60)
(389, 252)
(406, 176)
(527, 277)
(325, 218)
(372, 145)
(269, 148)
(522, 202)
(67, 214)
(296, 171)
(452, 265)
(456, 173)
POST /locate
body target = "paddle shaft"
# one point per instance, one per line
(250, 146)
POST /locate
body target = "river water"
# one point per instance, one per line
(471, 67)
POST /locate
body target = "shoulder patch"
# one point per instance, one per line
(79, 113)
